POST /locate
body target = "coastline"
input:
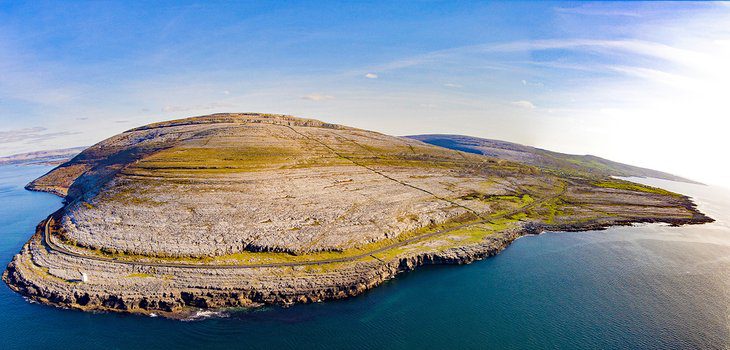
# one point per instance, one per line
(147, 229)
(182, 303)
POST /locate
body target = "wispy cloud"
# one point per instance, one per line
(607, 48)
(318, 97)
(656, 76)
(30, 135)
(532, 83)
(640, 47)
(598, 10)
(523, 104)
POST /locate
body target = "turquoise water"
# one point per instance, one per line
(651, 287)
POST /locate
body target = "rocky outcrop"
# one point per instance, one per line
(218, 289)
(248, 209)
(178, 293)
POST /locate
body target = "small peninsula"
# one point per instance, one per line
(242, 210)
(50, 157)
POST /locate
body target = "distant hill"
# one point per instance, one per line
(554, 161)
(49, 157)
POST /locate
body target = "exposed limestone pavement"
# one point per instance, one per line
(247, 209)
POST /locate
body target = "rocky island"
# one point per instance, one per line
(238, 210)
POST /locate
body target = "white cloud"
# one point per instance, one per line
(523, 104)
(452, 85)
(31, 135)
(532, 83)
(603, 47)
(318, 97)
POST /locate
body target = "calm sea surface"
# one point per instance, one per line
(652, 287)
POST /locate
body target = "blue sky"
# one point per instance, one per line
(642, 83)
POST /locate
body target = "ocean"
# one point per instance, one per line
(642, 287)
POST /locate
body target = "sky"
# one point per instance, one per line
(640, 83)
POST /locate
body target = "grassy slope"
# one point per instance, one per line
(558, 162)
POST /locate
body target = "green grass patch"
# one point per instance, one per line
(139, 275)
(631, 186)
(217, 159)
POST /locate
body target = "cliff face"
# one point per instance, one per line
(242, 209)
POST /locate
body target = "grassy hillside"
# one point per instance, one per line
(584, 165)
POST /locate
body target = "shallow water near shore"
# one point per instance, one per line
(651, 286)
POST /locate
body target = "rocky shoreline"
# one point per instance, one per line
(353, 280)
(243, 210)
(181, 303)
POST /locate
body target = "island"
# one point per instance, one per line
(248, 209)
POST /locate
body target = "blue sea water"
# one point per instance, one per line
(646, 287)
